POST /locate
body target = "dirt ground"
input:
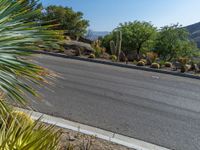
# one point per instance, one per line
(72, 140)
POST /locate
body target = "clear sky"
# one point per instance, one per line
(105, 15)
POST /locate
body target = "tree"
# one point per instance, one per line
(137, 36)
(173, 42)
(70, 21)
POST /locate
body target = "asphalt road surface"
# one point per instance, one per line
(157, 108)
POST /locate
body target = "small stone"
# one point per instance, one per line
(71, 138)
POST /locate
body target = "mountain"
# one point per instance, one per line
(194, 30)
(94, 35)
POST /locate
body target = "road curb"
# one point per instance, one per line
(119, 64)
(99, 133)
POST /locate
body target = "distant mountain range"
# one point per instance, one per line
(194, 30)
(94, 35)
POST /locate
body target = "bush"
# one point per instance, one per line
(92, 56)
(152, 56)
(144, 60)
(141, 63)
(21, 134)
(96, 45)
(113, 57)
(155, 65)
(183, 60)
(168, 64)
(22, 117)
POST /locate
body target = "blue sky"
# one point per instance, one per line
(105, 15)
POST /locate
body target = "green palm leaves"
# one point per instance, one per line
(17, 37)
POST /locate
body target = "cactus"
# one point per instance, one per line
(116, 48)
(113, 58)
(113, 48)
(140, 63)
(155, 65)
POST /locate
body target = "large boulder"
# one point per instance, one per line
(79, 47)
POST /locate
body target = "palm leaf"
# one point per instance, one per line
(17, 38)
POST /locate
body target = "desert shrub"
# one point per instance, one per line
(113, 57)
(92, 56)
(152, 56)
(21, 117)
(183, 60)
(141, 63)
(168, 64)
(144, 60)
(30, 136)
(155, 65)
(96, 45)
(161, 63)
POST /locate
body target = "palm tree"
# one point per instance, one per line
(17, 37)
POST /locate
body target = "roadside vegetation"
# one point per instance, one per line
(145, 45)
(138, 42)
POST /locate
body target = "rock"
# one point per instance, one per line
(71, 138)
(71, 52)
(188, 67)
(105, 56)
(194, 67)
(80, 47)
(177, 65)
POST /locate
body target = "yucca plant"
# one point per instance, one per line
(28, 136)
(17, 37)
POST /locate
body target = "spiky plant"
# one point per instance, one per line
(26, 136)
(17, 37)
(116, 48)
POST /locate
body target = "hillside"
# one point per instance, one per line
(194, 30)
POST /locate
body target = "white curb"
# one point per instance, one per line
(102, 134)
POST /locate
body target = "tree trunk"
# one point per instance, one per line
(138, 52)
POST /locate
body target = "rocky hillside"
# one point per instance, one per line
(194, 30)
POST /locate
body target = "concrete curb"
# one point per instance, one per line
(119, 65)
(99, 133)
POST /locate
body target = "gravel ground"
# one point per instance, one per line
(72, 140)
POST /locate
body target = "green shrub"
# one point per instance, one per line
(183, 60)
(144, 60)
(22, 117)
(155, 65)
(113, 57)
(16, 134)
(92, 56)
(141, 63)
(168, 64)
(96, 45)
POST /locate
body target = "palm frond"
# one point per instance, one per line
(17, 37)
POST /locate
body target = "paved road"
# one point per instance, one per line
(157, 108)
